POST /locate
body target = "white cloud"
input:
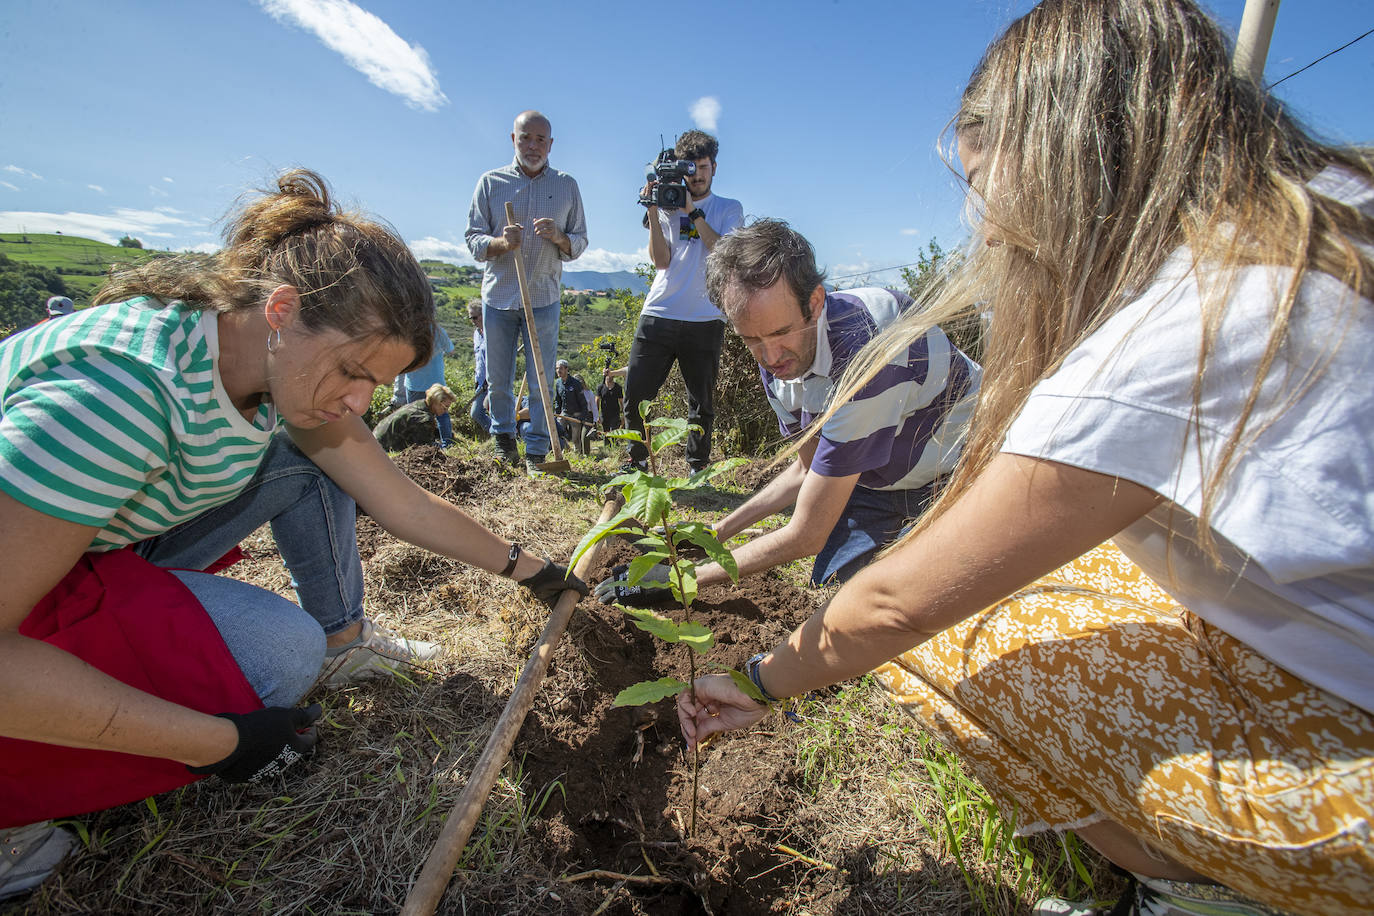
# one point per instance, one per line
(96, 188)
(108, 228)
(368, 45)
(205, 248)
(603, 261)
(438, 250)
(156, 191)
(705, 112)
(911, 232)
(597, 259)
(25, 172)
(8, 185)
(168, 180)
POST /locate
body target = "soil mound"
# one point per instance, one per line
(626, 799)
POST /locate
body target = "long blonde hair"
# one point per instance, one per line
(1113, 133)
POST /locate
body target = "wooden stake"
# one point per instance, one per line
(559, 463)
(429, 887)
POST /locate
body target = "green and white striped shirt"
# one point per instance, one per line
(116, 417)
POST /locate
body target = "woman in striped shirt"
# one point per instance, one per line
(203, 398)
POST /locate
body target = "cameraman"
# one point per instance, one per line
(678, 321)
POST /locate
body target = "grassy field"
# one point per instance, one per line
(83, 263)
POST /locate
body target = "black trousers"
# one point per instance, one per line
(696, 347)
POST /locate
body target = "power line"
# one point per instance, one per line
(876, 270)
(1322, 58)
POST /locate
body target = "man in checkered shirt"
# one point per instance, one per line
(550, 228)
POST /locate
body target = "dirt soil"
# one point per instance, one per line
(626, 777)
(624, 799)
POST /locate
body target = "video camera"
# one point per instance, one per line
(667, 189)
(611, 353)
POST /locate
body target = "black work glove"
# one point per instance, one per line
(653, 588)
(271, 741)
(551, 581)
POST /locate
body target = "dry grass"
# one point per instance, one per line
(350, 833)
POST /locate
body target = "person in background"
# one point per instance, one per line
(139, 443)
(679, 321)
(57, 306)
(416, 423)
(611, 395)
(414, 385)
(550, 228)
(478, 411)
(568, 401)
(1143, 608)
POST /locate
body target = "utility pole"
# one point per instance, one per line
(1252, 44)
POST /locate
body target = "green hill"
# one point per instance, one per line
(82, 263)
(34, 266)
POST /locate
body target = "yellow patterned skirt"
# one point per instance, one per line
(1091, 695)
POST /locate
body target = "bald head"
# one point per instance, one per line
(526, 118)
(532, 138)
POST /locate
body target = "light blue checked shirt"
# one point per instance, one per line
(552, 194)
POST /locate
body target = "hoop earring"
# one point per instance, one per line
(273, 340)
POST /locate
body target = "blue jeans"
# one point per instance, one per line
(480, 418)
(504, 328)
(445, 421)
(278, 646)
(871, 520)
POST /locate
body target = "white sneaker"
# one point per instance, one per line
(376, 651)
(29, 854)
(1058, 906)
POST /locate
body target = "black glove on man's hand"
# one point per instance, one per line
(551, 581)
(271, 741)
(653, 588)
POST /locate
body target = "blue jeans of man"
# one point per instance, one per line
(278, 646)
(504, 329)
(871, 520)
(445, 421)
(480, 418)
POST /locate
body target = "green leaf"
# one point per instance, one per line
(666, 438)
(645, 407)
(743, 683)
(696, 635)
(650, 622)
(686, 590)
(599, 531)
(631, 435)
(704, 537)
(649, 692)
(649, 500)
(652, 541)
(640, 566)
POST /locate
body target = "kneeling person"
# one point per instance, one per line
(880, 460)
(417, 422)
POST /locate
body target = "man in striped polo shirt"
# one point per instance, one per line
(880, 459)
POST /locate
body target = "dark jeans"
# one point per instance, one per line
(871, 520)
(696, 347)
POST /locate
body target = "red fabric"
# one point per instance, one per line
(137, 623)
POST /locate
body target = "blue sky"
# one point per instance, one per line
(152, 117)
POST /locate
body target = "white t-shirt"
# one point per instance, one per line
(680, 290)
(1295, 518)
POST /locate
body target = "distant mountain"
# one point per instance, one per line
(595, 279)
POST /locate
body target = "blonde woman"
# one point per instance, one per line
(1143, 608)
(416, 423)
